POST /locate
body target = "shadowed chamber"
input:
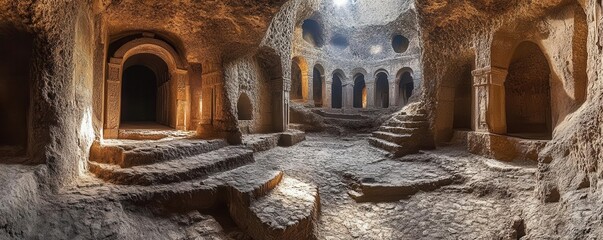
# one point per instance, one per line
(317, 87)
(144, 90)
(359, 92)
(15, 80)
(336, 92)
(382, 91)
(527, 89)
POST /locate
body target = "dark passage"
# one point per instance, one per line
(15, 64)
(139, 95)
(336, 92)
(359, 92)
(317, 87)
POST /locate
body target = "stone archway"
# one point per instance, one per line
(337, 91)
(299, 79)
(318, 85)
(406, 86)
(360, 93)
(381, 90)
(16, 51)
(528, 94)
(175, 91)
(244, 108)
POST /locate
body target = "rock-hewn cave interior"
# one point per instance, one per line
(301, 119)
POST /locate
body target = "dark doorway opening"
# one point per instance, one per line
(463, 99)
(16, 50)
(244, 108)
(382, 91)
(528, 97)
(336, 92)
(406, 88)
(139, 95)
(317, 87)
(360, 92)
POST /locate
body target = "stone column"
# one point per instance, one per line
(393, 94)
(489, 100)
(113, 99)
(370, 94)
(348, 95)
(310, 85)
(326, 94)
(182, 97)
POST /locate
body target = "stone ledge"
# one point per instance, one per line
(504, 148)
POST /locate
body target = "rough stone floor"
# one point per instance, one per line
(482, 206)
(486, 200)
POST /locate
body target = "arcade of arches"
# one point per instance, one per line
(295, 119)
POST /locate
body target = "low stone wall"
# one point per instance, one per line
(504, 148)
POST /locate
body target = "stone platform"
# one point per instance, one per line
(504, 148)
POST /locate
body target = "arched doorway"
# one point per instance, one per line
(172, 89)
(527, 93)
(406, 86)
(360, 100)
(336, 92)
(15, 82)
(244, 107)
(463, 98)
(144, 91)
(317, 83)
(382, 91)
(299, 79)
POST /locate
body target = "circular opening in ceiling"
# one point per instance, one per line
(400, 43)
(312, 32)
(340, 41)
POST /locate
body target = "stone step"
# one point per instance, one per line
(394, 122)
(135, 153)
(401, 130)
(289, 211)
(413, 118)
(392, 137)
(407, 147)
(339, 115)
(193, 167)
(261, 142)
(385, 145)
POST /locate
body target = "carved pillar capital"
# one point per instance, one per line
(489, 97)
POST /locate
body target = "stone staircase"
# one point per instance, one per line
(190, 174)
(404, 134)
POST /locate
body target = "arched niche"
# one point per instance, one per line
(16, 51)
(528, 94)
(299, 79)
(177, 88)
(381, 89)
(337, 90)
(405, 86)
(244, 108)
(360, 92)
(318, 85)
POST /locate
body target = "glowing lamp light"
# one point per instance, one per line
(340, 3)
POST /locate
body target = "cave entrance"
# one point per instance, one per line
(317, 88)
(15, 82)
(336, 92)
(145, 92)
(463, 99)
(360, 100)
(527, 93)
(405, 88)
(382, 91)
